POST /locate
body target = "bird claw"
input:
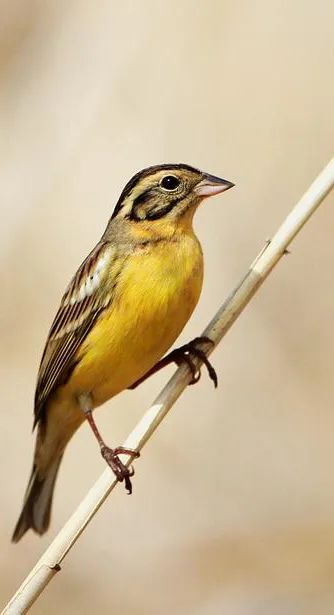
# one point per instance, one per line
(184, 355)
(121, 471)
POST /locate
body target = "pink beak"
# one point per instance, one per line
(211, 185)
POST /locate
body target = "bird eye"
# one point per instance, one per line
(170, 183)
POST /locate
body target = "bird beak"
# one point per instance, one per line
(211, 185)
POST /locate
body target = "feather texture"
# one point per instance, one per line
(83, 302)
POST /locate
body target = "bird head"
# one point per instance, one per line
(166, 193)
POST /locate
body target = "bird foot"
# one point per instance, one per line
(185, 354)
(121, 471)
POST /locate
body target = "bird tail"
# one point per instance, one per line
(36, 509)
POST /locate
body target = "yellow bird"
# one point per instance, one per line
(123, 309)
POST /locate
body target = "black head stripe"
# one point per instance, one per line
(140, 200)
(156, 211)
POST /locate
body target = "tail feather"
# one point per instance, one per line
(36, 509)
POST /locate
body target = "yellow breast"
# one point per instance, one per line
(155, 296)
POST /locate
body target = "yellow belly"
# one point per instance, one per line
(155, 296)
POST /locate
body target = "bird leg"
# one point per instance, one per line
(109, 454)
(185, 354)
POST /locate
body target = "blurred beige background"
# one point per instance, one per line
(90, 92)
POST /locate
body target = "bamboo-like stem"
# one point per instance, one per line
(50, 561)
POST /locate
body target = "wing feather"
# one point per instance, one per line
(82, 304)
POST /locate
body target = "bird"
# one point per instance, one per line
(121, 312)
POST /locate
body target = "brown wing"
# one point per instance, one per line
(84, 300)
